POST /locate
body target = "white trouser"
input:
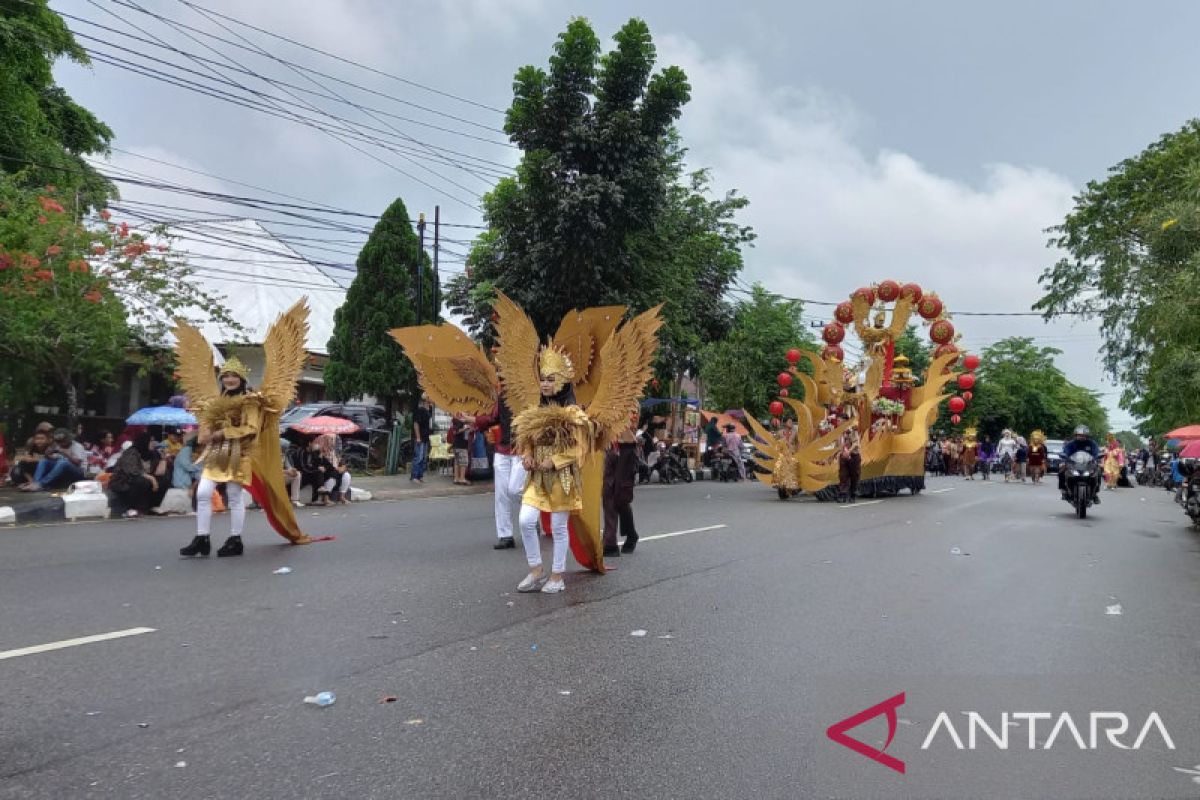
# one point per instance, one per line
(510, 485)
(345, 485)
(294, 486)
(529, 537)
(237, 507)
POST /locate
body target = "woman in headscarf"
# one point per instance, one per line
(134, 486)
(1114, 459)
(340, 474)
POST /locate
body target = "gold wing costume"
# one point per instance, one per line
(607, 366)
(249, 452)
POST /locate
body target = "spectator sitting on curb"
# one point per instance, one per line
(63, 464)
(26, 464)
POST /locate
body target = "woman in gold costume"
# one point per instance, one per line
(552, 440)
(239, 428)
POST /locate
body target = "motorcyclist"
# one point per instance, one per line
(1081, 443)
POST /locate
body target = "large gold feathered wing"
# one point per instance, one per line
(195, 369)
(285, 353)
(517, 356)
(451, 368)
(583, 334)
(284, 349)
(626, 367)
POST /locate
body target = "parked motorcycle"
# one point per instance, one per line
(677, 464)
(723, 465)
(1189, 498)
(1081, 484)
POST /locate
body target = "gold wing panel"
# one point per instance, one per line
(197, 375)
(583, 335)
(516, 358)
(451, 368)
(285, 355)
(627, 357)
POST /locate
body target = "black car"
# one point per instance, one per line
(367, 417)
(1054, 454)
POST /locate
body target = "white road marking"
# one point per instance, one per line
(100, 637)
(859, 505)
(939, 491)
(681, 533)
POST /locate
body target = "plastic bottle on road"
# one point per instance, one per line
(323, 699)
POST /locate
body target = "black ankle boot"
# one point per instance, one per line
(199, 546)
(630, 542)
(232, 547)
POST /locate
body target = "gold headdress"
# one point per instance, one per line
(554, 364)
(235, 366)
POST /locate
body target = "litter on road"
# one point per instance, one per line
(637, 633)
(283, 571)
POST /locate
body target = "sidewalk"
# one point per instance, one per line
(41, 507)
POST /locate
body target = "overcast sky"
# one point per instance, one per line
(923, 141)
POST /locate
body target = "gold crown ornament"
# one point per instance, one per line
(235, 366)
(555, 365)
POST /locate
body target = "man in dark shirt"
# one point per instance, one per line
(422, 428)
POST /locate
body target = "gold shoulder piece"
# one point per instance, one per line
(517, 356)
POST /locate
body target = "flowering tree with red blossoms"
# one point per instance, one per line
(79, 297)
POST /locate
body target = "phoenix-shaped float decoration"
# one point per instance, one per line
(880, 398)
(255, 459)
(608, 364)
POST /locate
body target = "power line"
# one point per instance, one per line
(311, 48)
(332, 133)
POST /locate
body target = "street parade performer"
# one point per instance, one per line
(239, 428)
(888, 407)
(569, 399)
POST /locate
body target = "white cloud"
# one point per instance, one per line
(831, 217)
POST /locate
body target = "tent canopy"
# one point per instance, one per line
(1185, 433)
(723, 420)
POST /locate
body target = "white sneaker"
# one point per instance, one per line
(531, 583)
(553, 586)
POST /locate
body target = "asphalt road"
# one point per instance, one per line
(759, 636)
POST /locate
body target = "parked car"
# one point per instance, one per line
(367, 417)
(1054, 454)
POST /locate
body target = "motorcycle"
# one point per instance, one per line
(723, 465)
(677, 464)
(1189, 497)
(1080, 481)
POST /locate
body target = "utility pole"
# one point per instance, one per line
(420, 263)
(437, 226)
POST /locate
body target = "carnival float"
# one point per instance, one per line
(878, 397)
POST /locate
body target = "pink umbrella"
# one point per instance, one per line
(322, 425)
(1190, 450)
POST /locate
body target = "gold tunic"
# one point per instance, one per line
(558, 434)
(239, 419)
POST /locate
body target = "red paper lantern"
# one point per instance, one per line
(866, 293)
(833, 351)
(955, 419)
(793, 355)
(888, 291)
(930, 307)
(943, 349)
(968, 396)
(957, 405)
(966, 381)
(776, 408)
(971, 362)
(844, 313)
(911, 291)
(784, 379)
(783, 392)
(833, 333)
(942, 331)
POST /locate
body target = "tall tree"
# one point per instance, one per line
(363, 358)
(1020, 387)
(1132, 260)
(596, 131)
(739, 370)
(44, 134)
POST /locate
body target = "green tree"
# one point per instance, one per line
(363, 358)
(1129, 440)
(1132, 260)
(594, 180)
(76, 297)
(1021, 388)
(44, 134)
(916, 348)
(739, 370)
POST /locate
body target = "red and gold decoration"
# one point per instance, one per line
(890, 407)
